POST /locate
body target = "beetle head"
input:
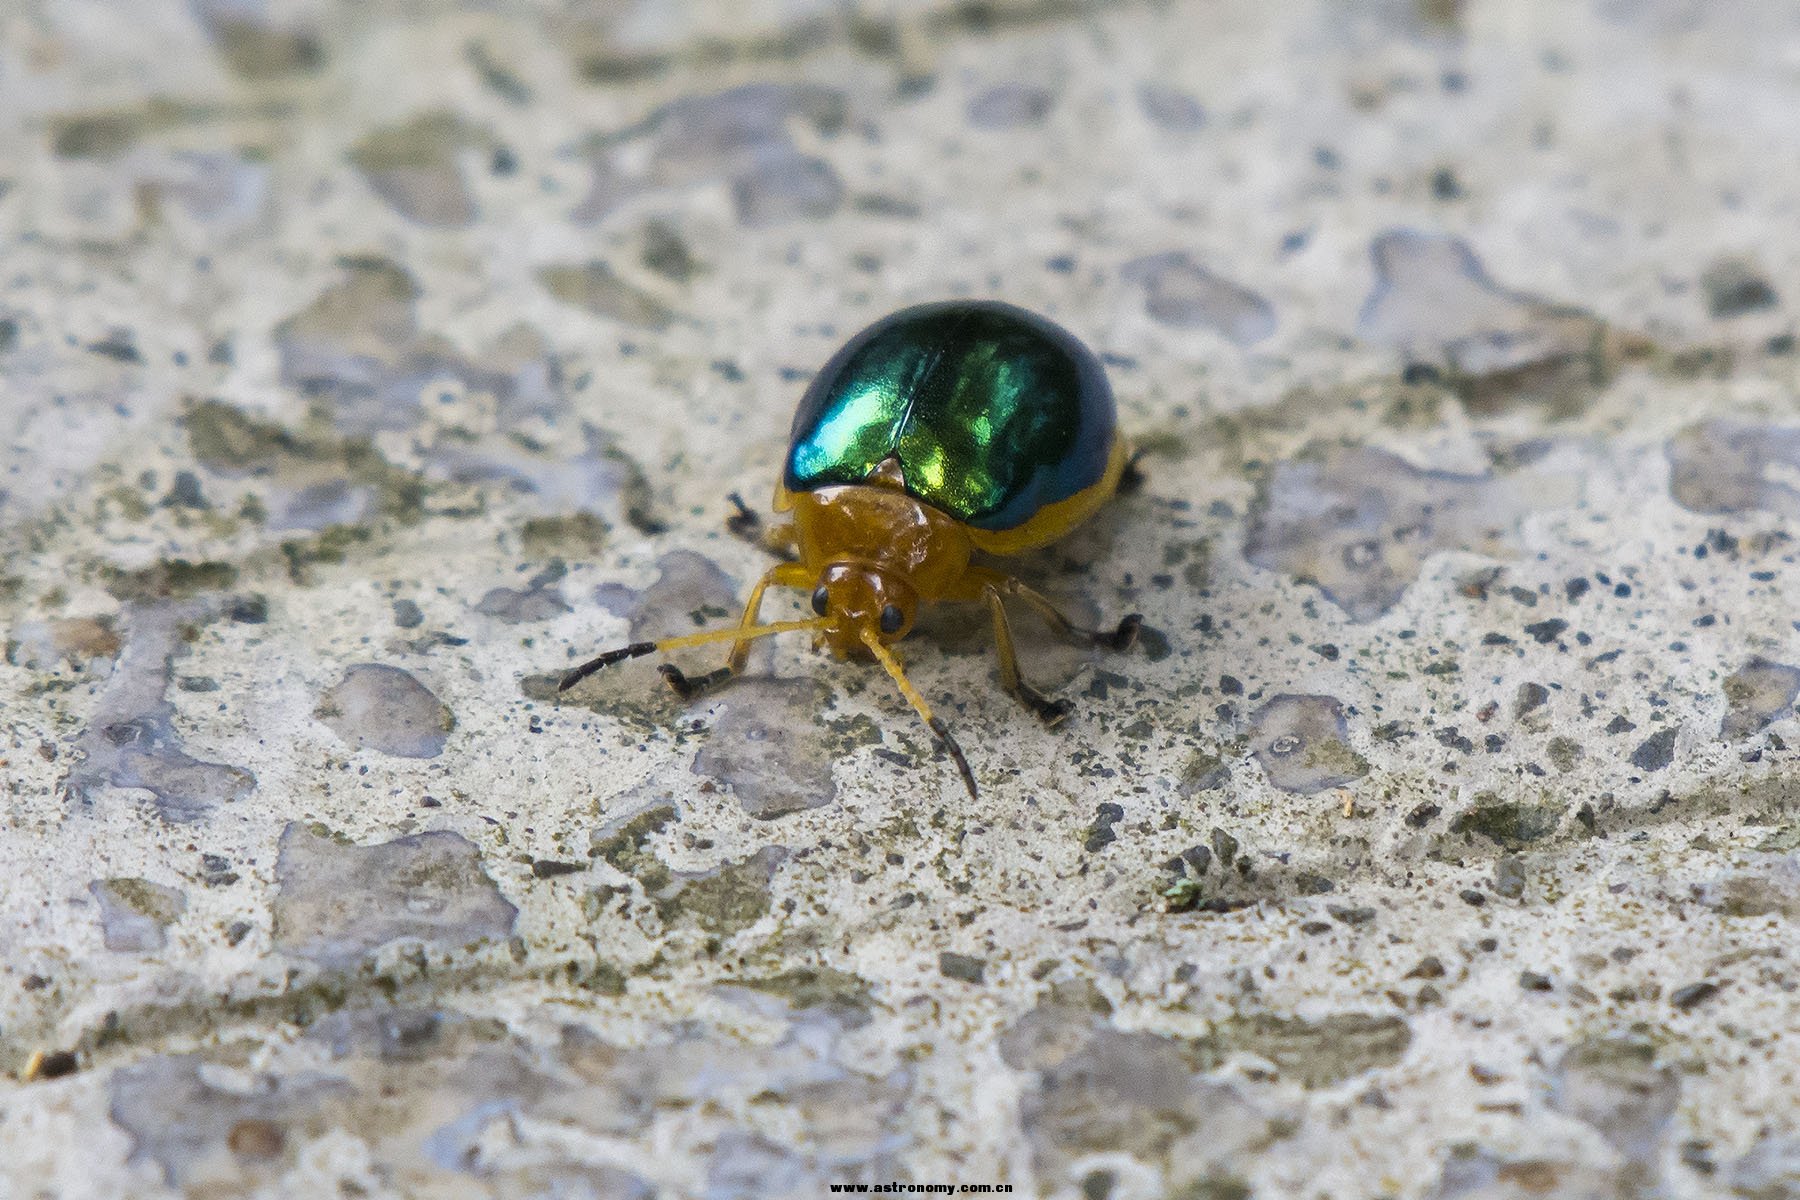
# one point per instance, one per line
(856, 597)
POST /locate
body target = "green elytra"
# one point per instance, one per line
(993, 413)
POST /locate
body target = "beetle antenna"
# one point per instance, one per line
(936, 724)
(733, 633)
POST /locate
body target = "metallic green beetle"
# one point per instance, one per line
(937, 432)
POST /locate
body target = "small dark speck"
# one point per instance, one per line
(1734, 288)
(1471, 896)
(1781, 343)
(249, 610)
(1417, 373)
(1704, 621)
(1655, 752)
(1444, 185)
(727, 370)
(186, 493)
(1693, 995)
(1531, 981)
(1231, 685)
(1295, 242)
(236, 932)
(495, 77)
(1100, 834)
(57, 1065)
(1545, 632)
(503, 161)
(1453, 81)
(9, 334)
(1575, 589)
(1422, 816)
(794, 375)
(1326, 651)
(1062, 264)
(1622, 590)
(407, 614)
(1620, 724)
(544, 868)
(961, 966)
(1326, 157)
(1123, 362)
(117, 346)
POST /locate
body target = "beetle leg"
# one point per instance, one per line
(780, 575)
(979, 579)
(1042, 707)
(745, 525)
(1120, 638)
(1132, 477)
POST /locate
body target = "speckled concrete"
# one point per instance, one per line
(367, 364)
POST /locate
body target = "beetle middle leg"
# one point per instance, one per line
(1049, 711)
(787, 574)
(1121, 637)
(745, 525)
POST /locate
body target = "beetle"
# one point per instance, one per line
(939, 433)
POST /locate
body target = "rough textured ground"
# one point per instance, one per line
(364, 364)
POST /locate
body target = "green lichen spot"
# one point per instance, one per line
(1317, 1053)
(1564, 753)
(159, 904)
(815, 987)
(853, 733)
(1334, 757)
(331, 545)
(257, 51)
(602, 977)
(428, 140)
(1213, 1187)
(625, 849)
(578, 535)
(175, 577)
(1510, 824)
(105, 136)
(224, 439)
(734, 898)
(131, 505)
(595, 287)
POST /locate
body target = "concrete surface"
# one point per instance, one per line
(365, 365)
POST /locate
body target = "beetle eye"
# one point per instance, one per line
(891, 618)
(820, 597)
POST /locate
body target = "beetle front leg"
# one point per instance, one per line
(781, 575)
